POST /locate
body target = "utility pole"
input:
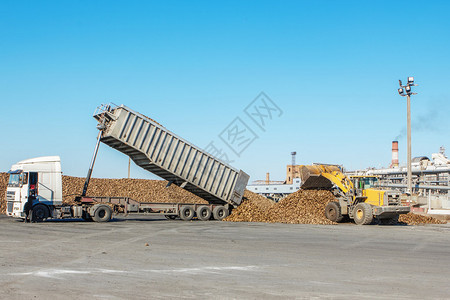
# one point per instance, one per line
(408, 137)
(129, 165)
(405, 90)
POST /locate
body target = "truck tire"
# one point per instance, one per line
(389, 221)
(333, 212)
(102, 213)
(204, 213)
(220, 213)
(186, 213)
(40, 213)
(362, 214)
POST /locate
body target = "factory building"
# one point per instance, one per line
(277, 190)
(292, 171)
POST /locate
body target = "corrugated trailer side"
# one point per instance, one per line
(158, 150)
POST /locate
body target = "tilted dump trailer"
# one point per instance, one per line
(158, 150)
(33, 190)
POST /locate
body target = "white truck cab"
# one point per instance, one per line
(38, 179)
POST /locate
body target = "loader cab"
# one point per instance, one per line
(364, 182)
(37, 179)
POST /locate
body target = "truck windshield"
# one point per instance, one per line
(14, 180)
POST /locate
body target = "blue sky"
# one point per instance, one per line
(330, 66)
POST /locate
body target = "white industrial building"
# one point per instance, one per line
(274, 190)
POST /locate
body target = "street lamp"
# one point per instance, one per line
(405, 90)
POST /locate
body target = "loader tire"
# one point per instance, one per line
(186, 213)
(220, 213)
(204, 213)
(103, 213)
(362, 214)
(389, 221)
(333, 212)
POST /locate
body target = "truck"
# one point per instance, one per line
(357, 197)
(35, 185)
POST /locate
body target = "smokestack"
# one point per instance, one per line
(293, 166)
(267, 178)
(394, 163)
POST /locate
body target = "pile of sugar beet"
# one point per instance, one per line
(301, 207)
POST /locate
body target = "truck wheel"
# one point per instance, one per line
(362, 214)
(40, 213)
(333, 212)
(204, 213)
(389, 221)
(102, 213)
(186, 213)
(220, 213)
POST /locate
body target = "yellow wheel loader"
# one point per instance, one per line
(356, 197)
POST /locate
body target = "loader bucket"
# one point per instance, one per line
(312, 178)
(317, 177)
(317, 182)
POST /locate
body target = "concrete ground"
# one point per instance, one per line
(221, 260)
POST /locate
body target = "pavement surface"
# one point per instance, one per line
(221, 260)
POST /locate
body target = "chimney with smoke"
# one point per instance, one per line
(394, 163)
